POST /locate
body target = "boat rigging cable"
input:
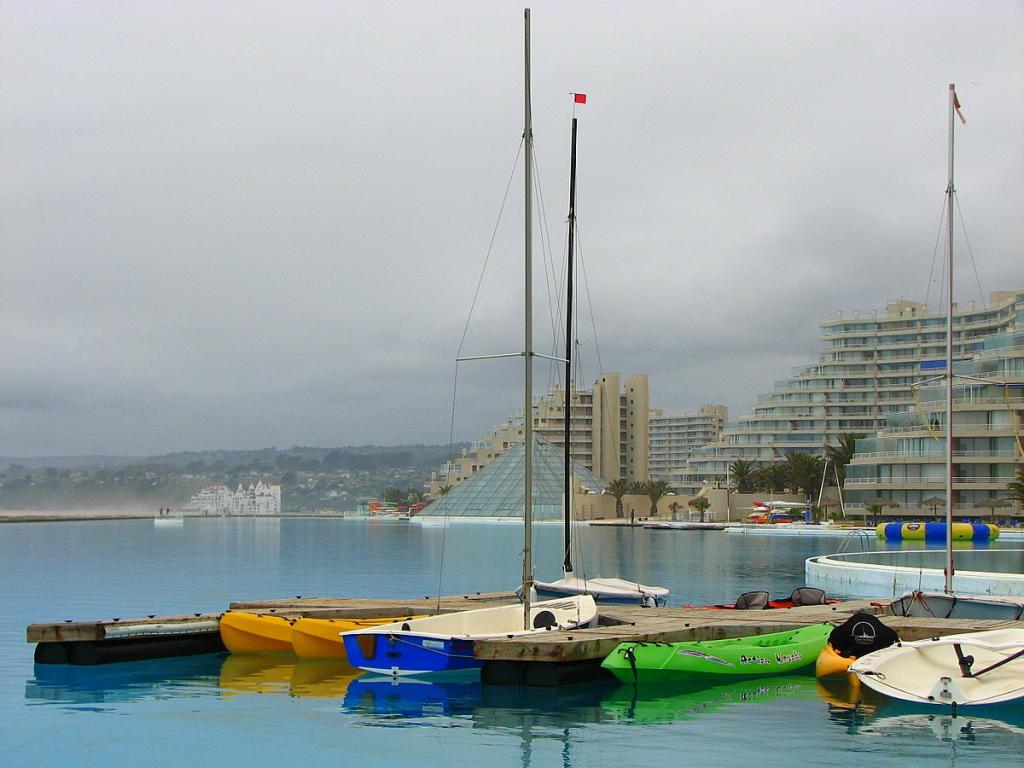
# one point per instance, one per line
(550, 279)
(935, 255)
(914, 389)
(935, 259)
(455, 376)
(970, 251)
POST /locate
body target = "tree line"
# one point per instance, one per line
(798, 473)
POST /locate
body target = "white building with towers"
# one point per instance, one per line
(259, 499)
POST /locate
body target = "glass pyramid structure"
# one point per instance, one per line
(497, 489)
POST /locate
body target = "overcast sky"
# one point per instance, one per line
(242, 224)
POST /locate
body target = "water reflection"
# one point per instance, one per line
(964, 726)
(129, 681)
(533, 716)
(265, 673)
(538, 720)
(570, 706)
(849, 703)
(966, 734)
(387, 702)
(206, 675)
(860, 710)
(911, 545)
(683, 702)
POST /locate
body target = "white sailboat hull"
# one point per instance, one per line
(943, 606)
(604, 590)
(504, 621)
(444, 643)
(928, 671)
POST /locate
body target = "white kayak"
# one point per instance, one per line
(956, 670)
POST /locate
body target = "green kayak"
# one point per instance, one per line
(754, 656)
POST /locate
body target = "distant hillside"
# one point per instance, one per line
(311, 478)
(66, 462)
(367, 457)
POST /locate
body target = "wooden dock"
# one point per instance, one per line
(565, 657)
(554, 658)
(368, 608)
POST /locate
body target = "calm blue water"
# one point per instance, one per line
(215, 708)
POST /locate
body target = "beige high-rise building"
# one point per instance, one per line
(621, 427)
(675, 436)
(609, 436)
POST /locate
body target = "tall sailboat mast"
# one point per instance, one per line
(567, 561)
(528, 342)
(949, 352)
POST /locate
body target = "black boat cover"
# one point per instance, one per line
(860, 635)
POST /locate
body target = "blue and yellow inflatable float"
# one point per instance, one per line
(936, 532)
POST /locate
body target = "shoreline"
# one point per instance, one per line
(64, 516)
(50, 515)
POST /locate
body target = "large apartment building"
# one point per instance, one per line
(609, 431)
(862, 375)
(675, 436)
(905, 463)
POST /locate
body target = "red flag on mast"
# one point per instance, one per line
(579, 98)
(956, 106)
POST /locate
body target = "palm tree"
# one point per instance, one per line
(700, 504)
(618, 489)
(395, 495)
(1016, 488)
(743, 472)
(635, 488)
(841, 454)
(655, 489)
(771, 478)
(803, 472)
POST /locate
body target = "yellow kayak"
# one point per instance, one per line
(244, 632)
(321, 638)
(831, 664)
(858, 636)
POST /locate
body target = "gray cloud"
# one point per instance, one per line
(242, 224)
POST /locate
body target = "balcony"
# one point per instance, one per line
(958, 482)
(933, 405)
(962, 430)
(1008, 351)
(1009, 453)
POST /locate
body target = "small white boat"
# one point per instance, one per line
(942, 606)
(956, 670)
(604, 590)
(682, 525)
